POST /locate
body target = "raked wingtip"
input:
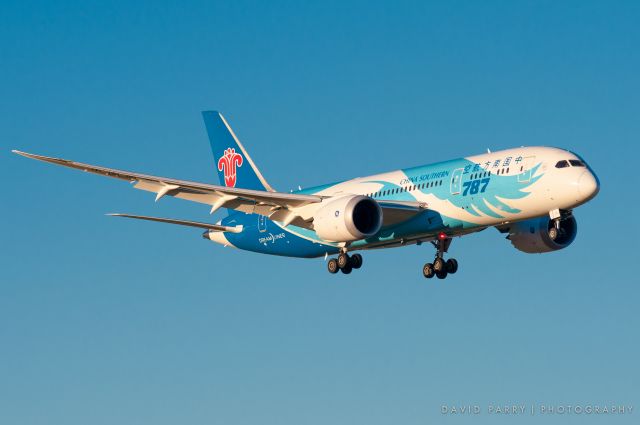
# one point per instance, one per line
(25, 154)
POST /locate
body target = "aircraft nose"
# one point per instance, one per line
(588, 185)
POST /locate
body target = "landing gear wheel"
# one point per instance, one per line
(441, 274)
(332, 266)
(356, 261)
(428, 271)
(451, 266)
(343, 260)
(440, 268)
(347, 269)
(439, 265)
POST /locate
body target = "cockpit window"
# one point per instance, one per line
(562, 164)
(576, 163)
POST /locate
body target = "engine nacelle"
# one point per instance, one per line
(539, 234)
(347, 219)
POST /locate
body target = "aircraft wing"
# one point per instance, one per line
(395, 212)
(276, 205)
(288, 208)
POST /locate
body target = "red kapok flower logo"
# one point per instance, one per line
(228, 163)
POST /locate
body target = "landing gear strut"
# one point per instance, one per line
(440, 268)
(556, 229)
(344, 263)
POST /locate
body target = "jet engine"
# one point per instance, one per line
(543, 234)
(348, 218)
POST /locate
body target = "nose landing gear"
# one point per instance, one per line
(440, 268)
(344, 263)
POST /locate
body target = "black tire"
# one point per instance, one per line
(442, 274)
(439, 265)
(356, 261)
(427, 271)
(347, 269)
(343, 260)
(332, 266)
(452, 265)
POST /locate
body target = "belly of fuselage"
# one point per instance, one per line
(259, 234)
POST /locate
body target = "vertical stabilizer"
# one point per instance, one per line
(234, 165)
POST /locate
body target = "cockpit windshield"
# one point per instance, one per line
(570, 163)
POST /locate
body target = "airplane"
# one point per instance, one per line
(527, 193)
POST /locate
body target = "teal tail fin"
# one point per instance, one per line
(235, 166)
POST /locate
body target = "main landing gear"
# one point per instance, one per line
(344, 263)
(440, 268)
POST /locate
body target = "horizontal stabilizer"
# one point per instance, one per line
(212, 227)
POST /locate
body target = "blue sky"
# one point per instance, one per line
(107, 321)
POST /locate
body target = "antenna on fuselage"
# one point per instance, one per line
(488, 150)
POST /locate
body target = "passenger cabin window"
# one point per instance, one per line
(562, 164)
(576, 163)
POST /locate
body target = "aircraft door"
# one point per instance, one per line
(456, 181)
(262, 223)
(525, 169)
